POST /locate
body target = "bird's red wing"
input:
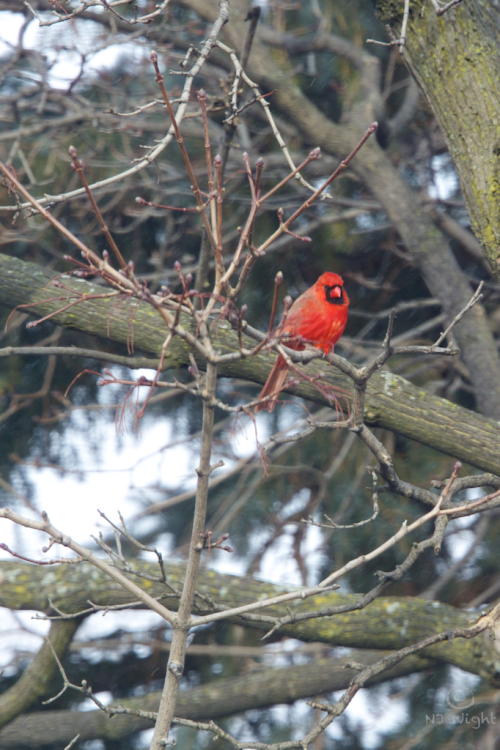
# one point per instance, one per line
(337, 327)
(306, 319)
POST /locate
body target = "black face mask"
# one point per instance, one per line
(334, 300)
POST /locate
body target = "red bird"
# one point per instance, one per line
(319, 317)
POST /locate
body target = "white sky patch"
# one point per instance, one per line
(461, 690)
(77, 37)
(373, 718)
(72, 503)
(462, 540)
(10, 24)
(279, 565)
(88, 705)
(25, 639)
(143, 741)
(445, 177)
(103, 625)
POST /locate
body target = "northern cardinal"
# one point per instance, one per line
(318, 316)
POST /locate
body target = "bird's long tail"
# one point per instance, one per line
(273, 385)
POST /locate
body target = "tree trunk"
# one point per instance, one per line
(455, 59)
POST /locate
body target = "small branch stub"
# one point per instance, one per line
(175, 668)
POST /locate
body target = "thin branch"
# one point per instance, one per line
(153, 153)
(475, 298)
(183, 620)
(59, 538)
(134, 363)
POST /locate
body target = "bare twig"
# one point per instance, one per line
(59, 538)
(475, 298)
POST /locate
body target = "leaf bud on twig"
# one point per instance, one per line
(288, 301)
(177, 266)
(259, 163)
(315, 153)
(105, 255)
(218, 160)
(278, 279)
(77, 163)
(140, 200)
(202, 95)
(189, 279)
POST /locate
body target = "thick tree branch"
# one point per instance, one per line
(387, 623)
(391, 401)
(35, 680)
(224, 697)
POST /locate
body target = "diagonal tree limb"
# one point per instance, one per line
(391, 401)
(36, 679)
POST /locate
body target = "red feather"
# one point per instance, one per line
(319, 317)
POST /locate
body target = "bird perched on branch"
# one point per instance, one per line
(317, 317)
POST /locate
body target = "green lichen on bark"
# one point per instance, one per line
(455, 58)
(391, 401)
(387, 623)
